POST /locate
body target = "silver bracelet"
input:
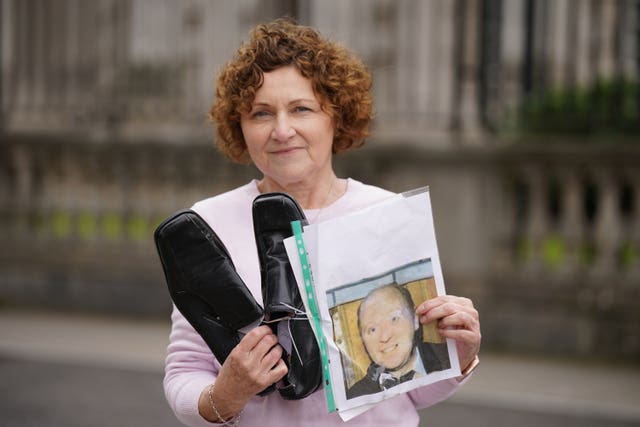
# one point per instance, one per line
(233, 421)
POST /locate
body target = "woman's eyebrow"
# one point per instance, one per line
(260, 104)
(292, 101)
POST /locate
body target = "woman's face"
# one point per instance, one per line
(288, 135)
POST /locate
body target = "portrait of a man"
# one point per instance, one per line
(377, 333)
(392, 338)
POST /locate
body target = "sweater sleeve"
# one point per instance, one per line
(189, 368)
(437, 392)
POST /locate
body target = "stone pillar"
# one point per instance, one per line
(607, 223)
(607, 38)
(512, 39)
(469, 65)
(21, 165)
(536, 223)
(584, 72)
(558, 46)
(572, 221)
(634, 225)
(111, 40)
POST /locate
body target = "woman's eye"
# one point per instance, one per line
(259, 114)
(371, 331)
(301, 109)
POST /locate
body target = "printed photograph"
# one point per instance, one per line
(381, 340)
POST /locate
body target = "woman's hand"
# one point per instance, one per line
(458, 319)
(253, 365)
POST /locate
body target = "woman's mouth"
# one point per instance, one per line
(284, 151)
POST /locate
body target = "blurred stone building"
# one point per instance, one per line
(523, 117)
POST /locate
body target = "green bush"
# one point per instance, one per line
(606, 107)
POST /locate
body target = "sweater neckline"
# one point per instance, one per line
(351, 184)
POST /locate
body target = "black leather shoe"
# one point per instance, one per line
(283, 307)
(203, 282)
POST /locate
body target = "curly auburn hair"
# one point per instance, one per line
(339, 79)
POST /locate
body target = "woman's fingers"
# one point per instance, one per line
(443, 306)
(456, 318)
(255, 363)
(253, 338)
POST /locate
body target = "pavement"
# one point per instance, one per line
(507, 389)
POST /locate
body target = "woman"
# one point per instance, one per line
(286, 102)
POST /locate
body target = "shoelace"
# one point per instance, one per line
(297, 315)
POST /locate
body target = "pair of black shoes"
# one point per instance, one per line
(206, 288)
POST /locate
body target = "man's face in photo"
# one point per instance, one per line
(387, 328)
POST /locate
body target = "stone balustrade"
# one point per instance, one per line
(575, 210)
(546, 240)
(568, 280)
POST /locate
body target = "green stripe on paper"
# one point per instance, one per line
(315, 315)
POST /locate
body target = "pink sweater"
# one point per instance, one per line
(190, 366)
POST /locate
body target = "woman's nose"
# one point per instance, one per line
(282, 131)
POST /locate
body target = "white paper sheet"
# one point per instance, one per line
(389, 244)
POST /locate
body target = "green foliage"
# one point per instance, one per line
(87, 225)
(138, 228)
(628, 255)
(606, 107)
(112, 226)
(553, 251)
(61, 224)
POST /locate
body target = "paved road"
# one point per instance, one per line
(72, 395)
(64, 370)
